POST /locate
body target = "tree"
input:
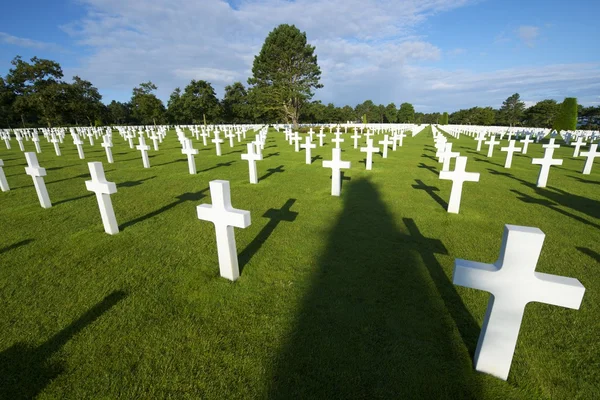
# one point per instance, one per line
(235, 104)
(146, 108)
(566, 119)
(542, 114)
(369, 110)
(199, 102)
(285, 72)
(84, 101)
(444, 118)
(119, 113)
(511, 112)
(391, 113)
(406, 113)
(7, 98)
(175, 107)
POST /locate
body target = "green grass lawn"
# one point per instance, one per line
(348, 297)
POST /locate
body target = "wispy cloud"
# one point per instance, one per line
(528, 34)
(30, 43)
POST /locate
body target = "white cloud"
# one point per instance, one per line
(528, 34)
(24, 42)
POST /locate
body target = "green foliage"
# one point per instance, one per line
(119, 113)
(236, 107)
(473, 116)
(391, 113)
(542, 114)
(512, 110)
(406, 113)
(444, 118)
(199, 101)
(175, 108)
(369, 109)
(566, 118)
(146, 108)
(285, 72)
(364, 119)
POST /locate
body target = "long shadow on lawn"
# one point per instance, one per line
(197, 196)
(430, 157)
(227, 164)
(26, 370)
(584, 180)
(284, 214)
(271, 171)
(15, 245)
(430, 190)
(134, 183)
(372, 324)
(428, 167)
(591, 253)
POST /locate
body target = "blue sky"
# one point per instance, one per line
(440, 55)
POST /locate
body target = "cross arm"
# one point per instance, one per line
(559, 291)
(472, 274)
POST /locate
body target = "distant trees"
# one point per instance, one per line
(199, 101)
(473, 116)
(542, 114)
(511, 112)
(236, 105)
(406, 113)
(566, 117)
(444, 118)
(391, 113)
(146, 108)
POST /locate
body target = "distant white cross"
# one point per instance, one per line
(545, 164)
(385, 143)
(252, 157)
(512, 283)
(143, 148)
(458, 177)
(491, 143)
(204, 135)
(336, 164)
(551, 144)
(189, 150)
(526, 142)
(3, 182)
(7, 141)
(296, 140)
(107, 144)
(217, 141)
(36, 142)
(578, 145)
(154, 138)
(321, 135)
(34, 170)
(222, 214)
(308, 146)
(356, 136)
(398, 139)
(103, 190)
(446, 156)
(509, 153)
(590, 155)
(337, 139)
(79, 143)
(369, 150)
(480, 139)
(55, 141)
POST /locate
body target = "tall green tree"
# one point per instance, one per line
(391, 113)
(236, 108)
(566, 119)
(84, 101)
(285, 72)
(444, 118)
(369, 110)
(146, 108)
(541, 114)
(200, 101)
(119, 113)
(512, 110)
(406, 113)
(175, 107)
(7, 98)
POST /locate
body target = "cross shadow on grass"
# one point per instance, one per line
(488, 161)
(275, 216)
(429, 168)
(179, 160)
(431, 191)
(134, 183)
(226, 164)
(591, 253)
(372, 324)
(271, 171)
(15, 245)
(315, 158)
(271, 155)
(586, 181)
(73, 199)
(26, 370)
(430, 157)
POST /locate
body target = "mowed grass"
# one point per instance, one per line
(348, 297)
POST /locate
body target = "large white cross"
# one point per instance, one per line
(103, 190)
(337, 139)
(491, 143)
(217, 141)
(512, 283)
(190, 152)
(336, 164)
(143, 148)
(509, 153)
(222, 214)
(578, 145)
(252, 157)
(321, 135)
(545, 164)
(458, 177)
(107, 144)
(34, 170)
(385, 142)
(526, 142)
(79, 143)
(308, 146)
(296, 140)
(3, 182)
(369, 150)
(590, 155)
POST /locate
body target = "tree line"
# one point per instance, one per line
(284, 76)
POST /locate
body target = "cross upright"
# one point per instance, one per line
(90, 136)
(356, 136)
(491, 143)
(36, 142)
(369, 150)
(308, 145)
(3, 182)
(20, 141)
(296, 140)
(590, 155)
(34, 170)
(143, 148)
(107, 144)
(398, 139)
(551, 145)
(545, 164)
(578, 145)
(385, 143)
(252, 157)
(509, 153)
(512, 283)
(458, 177)
(222, 214)
(55, 142)
(230, 136)
(154, 138)
(204, 135)
(103, 190)
(337, 139)
(526, 142)
(217, 141)
(480, 139)
(7, 141)
(130, 136)
(336, 164)
(79, 143)
(189, 150)
(446, 156)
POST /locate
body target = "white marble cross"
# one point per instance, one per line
(190, 152)
(356, 136)
(107, 144)
(336, 164)
(491, 143)
(230, 136)
(7, 141)
(154, 138)
(551, 144)
(385, 143)
(222, 214)
(526, 142)
(480, 139)
(321, 135)
(252, 157)
(337, 139)
(512, 283)
(130, 137)
(578, 145)
(20, 141)
(398, 139)
(204, 135)
(55, 141)
(296, 140)
(36, 142)
(103, 190)
(3, 182)
(79, 143)
(446, 156)
(545, 164)
(590, 155)
(34, 170)
(509, 153)
(143, 148)
(308, 146)
(369, 150)
(458, 177)
(217, 141)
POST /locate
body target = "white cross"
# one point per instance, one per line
(385, 142)
(308, 146)
(225, 218)
(526, 142)
(154, 138)
(79, 143)
(36, 142)
(509, 153)
(107, 144)
(34, 170)
(143, 148)
(204, 135)
(545, 163)
(480, 138)
(321, 135)
(446, 156)
(337, 139)
(590, 155)
(55, 141)
(103, 190)
(398, 138)
(189, 150)
(512, 283)
(491, 143)
(20, 141)
(356, 136)
(369, 150)
(3, 182)
(7, 141)
(252, 157)
(458, 177)
(578, 145)
(130, 137)
(230, 136)
(336, 164)
(217, 141)
(91, 138)
(551, 144)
